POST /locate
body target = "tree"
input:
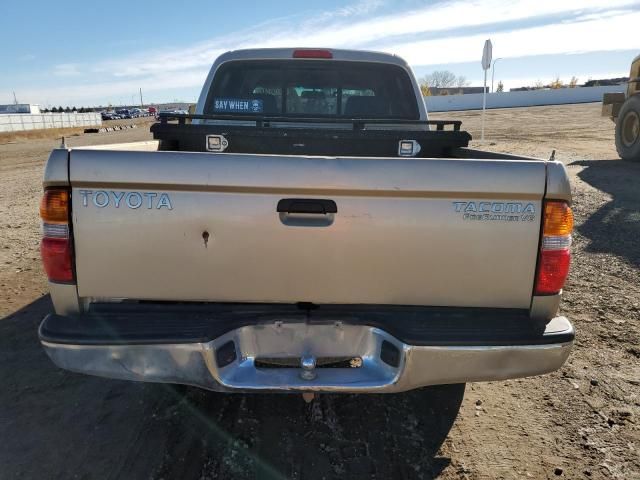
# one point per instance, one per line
(67, 110)
(573, 83)
(425, 90)
(500, 87)
(462, 81)
(538, 85)
(439, 79)
(556, 83)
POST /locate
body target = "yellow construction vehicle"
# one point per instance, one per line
(624, 110)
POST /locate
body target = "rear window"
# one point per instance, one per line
(312, 89)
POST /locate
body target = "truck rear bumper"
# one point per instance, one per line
(266, 355)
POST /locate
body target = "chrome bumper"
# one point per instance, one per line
(406, 368)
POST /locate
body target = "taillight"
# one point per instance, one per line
(56, 257)
(312, 53)
(54, 206)
(55, 247)
(555, 255)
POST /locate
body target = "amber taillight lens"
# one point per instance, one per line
(54, 206)
(558, 219)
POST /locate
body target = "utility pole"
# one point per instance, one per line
(493, 71)
(487, 53)
(141, 103)
(15, 100)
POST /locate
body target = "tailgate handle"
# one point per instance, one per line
(307, 205)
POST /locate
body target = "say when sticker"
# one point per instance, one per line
(237, 105)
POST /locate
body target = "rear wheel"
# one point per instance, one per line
(628, 130)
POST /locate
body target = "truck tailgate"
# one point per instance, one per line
(441, 232)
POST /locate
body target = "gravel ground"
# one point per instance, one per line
(580, 422)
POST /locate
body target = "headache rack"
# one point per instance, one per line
(333, 136)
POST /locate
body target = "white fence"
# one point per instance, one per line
(473, 101)
(442, 103)
(24, 121)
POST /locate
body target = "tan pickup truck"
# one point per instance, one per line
(308, 229)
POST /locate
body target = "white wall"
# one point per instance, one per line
(24, 121)
(473, 101)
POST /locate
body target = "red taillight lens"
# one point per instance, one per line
(555, 256)
(312, 53)
(56, 257)
(55, 249)
(553, 268)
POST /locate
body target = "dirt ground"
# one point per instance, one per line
(580, 422)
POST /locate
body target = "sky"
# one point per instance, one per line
(80, 53)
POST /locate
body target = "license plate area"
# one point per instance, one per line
(302, 356)
(295, 362)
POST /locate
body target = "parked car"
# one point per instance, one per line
(346, 247)
(174, 111)
(109, 116)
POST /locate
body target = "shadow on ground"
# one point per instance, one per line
(62, 425)
(615, 227)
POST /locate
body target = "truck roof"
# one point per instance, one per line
(287, 53)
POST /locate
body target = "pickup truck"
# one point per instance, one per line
(307, 229)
